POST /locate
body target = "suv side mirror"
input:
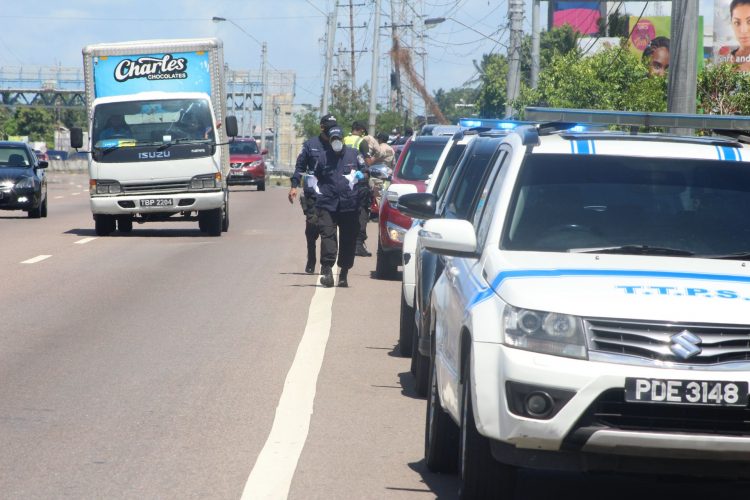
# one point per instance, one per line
(76, 137)
(453, 237)
(264, 152)
(417, 205)
(231, 126)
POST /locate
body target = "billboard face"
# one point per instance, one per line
(173, 72)
(649, 39)
(582, 16)
(732, 34)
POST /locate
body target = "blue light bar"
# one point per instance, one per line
(490, 123)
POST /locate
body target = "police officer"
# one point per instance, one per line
(360, 141)
(336, 169)
(313, 152)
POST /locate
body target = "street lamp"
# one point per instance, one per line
(264, 77)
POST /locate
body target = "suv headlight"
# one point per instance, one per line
(252, 164)
(25, 183)
(210, 181)
(544, 332)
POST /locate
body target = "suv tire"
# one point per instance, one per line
(440, 433)
(406, 329)
(384, 268)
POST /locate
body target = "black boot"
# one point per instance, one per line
(342, 278)
(362, 251)
(326, 276)
(310, 266)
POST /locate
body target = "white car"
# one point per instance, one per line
(593, 312)
(438, 179)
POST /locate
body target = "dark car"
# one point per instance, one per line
(248, 166)
(57, 154)
(23, 183)
(414, 167)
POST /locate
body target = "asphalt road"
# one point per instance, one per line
(151, 365)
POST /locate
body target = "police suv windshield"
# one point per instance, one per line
(615, 204)
(152, 124)
(420, 161)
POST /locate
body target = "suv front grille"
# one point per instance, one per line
(610, 410)
(653, 341)
(160, 187)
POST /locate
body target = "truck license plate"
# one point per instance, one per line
(686, 392)
(157, 202)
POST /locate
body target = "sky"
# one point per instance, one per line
(53, 32)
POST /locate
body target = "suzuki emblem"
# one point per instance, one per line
(685, 345)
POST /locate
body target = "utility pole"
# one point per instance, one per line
(515, 14)
(351, 39)
(396, 76)
(375, 62)
(683, 65)
(423, 55)
(264, 82)
(330, 39)
(535, 52)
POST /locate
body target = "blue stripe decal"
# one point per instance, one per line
(557, 273)
(593, 147)
(729, 153)
(718, 152)
(583, 147)
(573, 147)
(739, 154)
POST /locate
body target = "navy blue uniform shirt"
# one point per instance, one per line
(334, 190)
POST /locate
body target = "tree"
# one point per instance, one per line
(610, 79)
(492, 90)
(616, 24)
(36, 122)
(723, 90)
(457, 102)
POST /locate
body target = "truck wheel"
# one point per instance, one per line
(481, 475)
(262, 186)
(225, 214)
(104, 224)
(124, 223)
(406, 328)
(211, 221)
(440, 433)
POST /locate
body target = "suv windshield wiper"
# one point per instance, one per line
(635, 250)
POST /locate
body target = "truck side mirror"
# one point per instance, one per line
(76, 137)
(231, 127)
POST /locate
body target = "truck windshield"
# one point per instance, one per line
(152, 122)
(613, 204)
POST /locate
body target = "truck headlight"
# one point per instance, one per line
(544, 332)
(210, 181)
(25, 183)
(100, 186)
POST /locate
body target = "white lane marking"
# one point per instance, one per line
(74, 194)
(59, 197)
(36, 259)
(85, 240)
(272, 474)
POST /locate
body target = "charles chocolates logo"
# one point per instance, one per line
(152, 68)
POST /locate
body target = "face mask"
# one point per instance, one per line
(337, 145)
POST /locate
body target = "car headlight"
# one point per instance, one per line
(544, 332)
(98, 186)
(395, 232)
(210, 181)
(25, 183)
(252, 164)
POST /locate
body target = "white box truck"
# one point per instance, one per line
(157, 148)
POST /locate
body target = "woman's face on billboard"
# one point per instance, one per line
(741, 25)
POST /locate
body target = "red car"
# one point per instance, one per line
(415, 164)
(248, 166)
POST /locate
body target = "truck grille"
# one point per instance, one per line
(610, 410)
(160, 187)
(654, 341)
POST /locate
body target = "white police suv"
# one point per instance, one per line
(594, 313)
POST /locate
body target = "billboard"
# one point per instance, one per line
(649, 39)
(582, 16)
(173, 72)
(732, 34)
